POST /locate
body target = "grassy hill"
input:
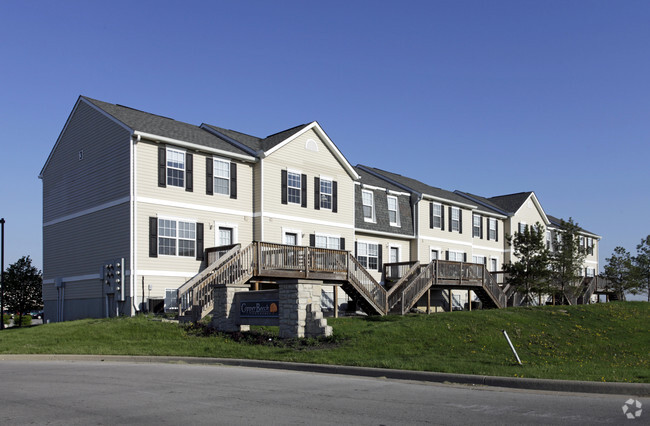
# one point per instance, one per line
(600, 342)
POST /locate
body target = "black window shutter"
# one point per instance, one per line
(460, 221)
(447, 255)
(481, 217)
(450, 215)
(153, 237)
(464, 257)
(199, 241)
(342, 243)
(233, 181)
(335, 198)
(209, 176)
(162, 167)
(355, 249)
(189, 172)
(380, 249)
(442, 217)
(431, 215)
(312, 240)
(303, 191)
(316, 192)
(283, 188)
(496, 226)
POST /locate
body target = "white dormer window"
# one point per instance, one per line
(368, 201)
(393, 211)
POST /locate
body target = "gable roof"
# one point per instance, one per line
(252, 142)
(413, 185)
(558, 224)
(156, 125)
(511, 202)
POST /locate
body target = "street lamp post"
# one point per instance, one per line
(2, 274)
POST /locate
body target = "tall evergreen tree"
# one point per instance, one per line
(23, 287)
(567, 260)
(619, 271)
(530, 271)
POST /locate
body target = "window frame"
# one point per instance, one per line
(216, 160)
(492, 232)
(397, 221)
(294, 188)
(372, 217)
(173, 150)
(177, 239)
(324, 195)
(456, 253)
(328, 239)
(476, 229)
(366, 258)
(455, 223)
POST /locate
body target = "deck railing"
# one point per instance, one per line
(197, 290)
(417, 286)
(365, 284)
(395, 293)
(396, 270)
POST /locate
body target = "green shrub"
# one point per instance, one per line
(25, 321)
(6, 319)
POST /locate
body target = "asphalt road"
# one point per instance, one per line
(82, 393)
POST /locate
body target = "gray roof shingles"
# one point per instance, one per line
(163, 126)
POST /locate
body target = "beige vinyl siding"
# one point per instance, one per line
(71, 185)
(384, 243)
(80, 246)
(183, 264)
(257, 201)
(445, 239)
(295, 157)
(147, 181)
(274, 227)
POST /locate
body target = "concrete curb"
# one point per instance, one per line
(616, 388)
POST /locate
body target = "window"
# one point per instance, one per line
(590, 272)
(436, 215)
(435, 254)
(393, 212)
(176, 237)
(368, 206)
(175, 167)
(582, 241)
(477, 226)
(393, 254)
(221, 177)
(293, 187)
(478, 259)
(494, 264)
(456, 256)
(291, 238)
(590, 245)
(225, 236)
(368, 255)
(522, 227)
(548, 240)
(325, 194)
(171, 303)
(328, 242)
(492, 232)
(455, 219)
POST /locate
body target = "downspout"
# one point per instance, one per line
(133, 226)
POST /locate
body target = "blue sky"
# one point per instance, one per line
(489, 97)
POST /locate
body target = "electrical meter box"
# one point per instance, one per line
(113, 279)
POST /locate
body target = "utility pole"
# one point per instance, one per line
(2, 275)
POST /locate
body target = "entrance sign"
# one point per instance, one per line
(259, 309)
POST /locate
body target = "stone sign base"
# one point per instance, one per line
(298, 315)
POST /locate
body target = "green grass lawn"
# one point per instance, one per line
(600, 342)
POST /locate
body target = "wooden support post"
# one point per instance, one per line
(429, 301)
(451, 301)
(336, 301)
(469, 299)
(256, 285)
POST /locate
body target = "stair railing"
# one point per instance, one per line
(366, 285)
(417, 286)
(395, 293)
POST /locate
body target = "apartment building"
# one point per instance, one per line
(144, 196)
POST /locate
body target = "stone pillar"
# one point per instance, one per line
(225, 312)
(300, 309)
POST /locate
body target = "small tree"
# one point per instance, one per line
(530, 272)
(641, 264)
(619, 270)
(23, 287)
(568, 259)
